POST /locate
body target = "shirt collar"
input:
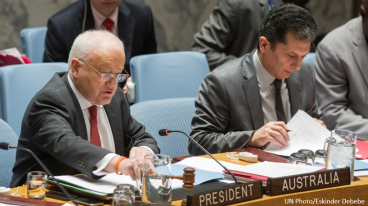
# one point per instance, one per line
(83, 102)
(262, 74)
(99, 18)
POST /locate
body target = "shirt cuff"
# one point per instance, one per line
(102, 164)
(149, 149)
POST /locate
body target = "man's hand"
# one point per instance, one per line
(274, 132)
(136, 152)
(125, 88)
(321, 122)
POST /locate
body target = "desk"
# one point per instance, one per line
(356, 190)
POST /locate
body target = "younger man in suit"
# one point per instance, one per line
(80, 121)
(238, 104)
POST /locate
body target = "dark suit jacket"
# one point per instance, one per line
(136, 30)
(231, 31)
(53, 128)
(229, 108)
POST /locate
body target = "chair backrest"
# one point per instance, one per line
(168, 75)
(172, 114)
(310, 58)
(7, 158)
(18, 85)
(33, 43)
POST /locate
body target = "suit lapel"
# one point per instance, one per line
(264, 6)
(360, 48)
(126, 29)
(251, 90)
(116, 128)
(80, 123)
(89, 21)
(294, 89)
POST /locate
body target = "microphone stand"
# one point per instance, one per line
(203, 149)
(45, 168)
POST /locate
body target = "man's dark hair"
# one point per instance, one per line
(284, 19)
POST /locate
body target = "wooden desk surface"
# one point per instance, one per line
(357, 190)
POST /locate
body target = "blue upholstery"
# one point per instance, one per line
(310, 58)
(168, 75)
(33, 43)
(7, 157)
(18, 84)
(172, 114)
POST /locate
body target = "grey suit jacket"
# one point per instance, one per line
(231, 31)
(53, 128)
(229, 108)
(342, 78)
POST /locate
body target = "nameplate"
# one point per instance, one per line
(308, 181)
(229, 195)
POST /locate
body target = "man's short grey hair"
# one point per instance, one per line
(84, 44)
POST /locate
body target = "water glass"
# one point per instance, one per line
(123, 195)
(36, 185)
(320, 157)
(341, 148)
(298, 158)
(154, 183)
(309, 154)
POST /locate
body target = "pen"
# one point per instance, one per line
(288, 130)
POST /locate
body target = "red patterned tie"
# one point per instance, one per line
(95, 136)
(108, 24)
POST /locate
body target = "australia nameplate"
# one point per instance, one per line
(308, 181)
(229, 195)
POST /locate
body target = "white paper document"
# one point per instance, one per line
(275, 169)
(306, 133)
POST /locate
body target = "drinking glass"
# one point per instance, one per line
(123, 195)
(341, 148)
(309, 154)
(298, 158)
(36, 185)
(320, 157)
(154, 183)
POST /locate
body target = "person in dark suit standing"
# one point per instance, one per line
(131, 21)
(232, 29)
(246, 101)
(80, 121)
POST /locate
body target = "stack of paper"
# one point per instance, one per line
(306, 133)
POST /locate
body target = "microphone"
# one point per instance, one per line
(165, 132)
(6, 146)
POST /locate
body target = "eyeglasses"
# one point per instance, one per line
(108, 76)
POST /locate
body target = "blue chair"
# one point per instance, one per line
(7, 157)
(172, 114)
(310, 58)
(33, 43)
(168, 75)
(18, 84)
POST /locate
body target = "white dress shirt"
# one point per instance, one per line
(103, 126)
(267, 91)
(99, 19)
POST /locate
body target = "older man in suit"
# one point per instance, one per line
(80, 121)
(341, 66)
(246, 102)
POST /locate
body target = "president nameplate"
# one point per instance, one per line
(229, 195)
(308, 181)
